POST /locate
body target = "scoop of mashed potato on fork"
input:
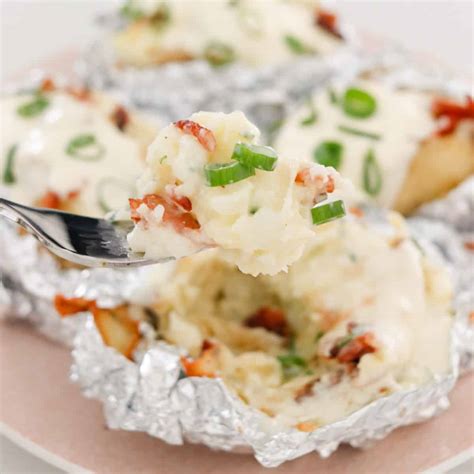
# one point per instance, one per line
(208, 183)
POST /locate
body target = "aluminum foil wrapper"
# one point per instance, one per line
(151, 396)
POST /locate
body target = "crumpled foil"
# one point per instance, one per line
(151, 396)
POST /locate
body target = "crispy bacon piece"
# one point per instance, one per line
(115, 326)
(356, 211)
(452, 112)
(355, 348)
(306, 390)
(305, 178)
(67, 306)
(52, 200)
(204, 365)
(173, 214)
(469, 245)
(47, 85)
(328, 22)
(306, 426)
(203, 135)
(271, 319)
(120, 117)
(80, 93)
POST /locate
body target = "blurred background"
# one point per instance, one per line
(30, 29)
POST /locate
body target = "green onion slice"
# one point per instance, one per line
(328, 212)
(219, 54)
(85, 147)
(371, 174)
(112, 193)
(130, 12)
(358, 103)
(329, 153)
(33, 107)
(297, 46)
(312, 116)
(255, 156)
(8, 173)
(292, 365)
(220, 174)
(360, 133)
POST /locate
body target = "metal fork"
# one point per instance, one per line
(82, 240)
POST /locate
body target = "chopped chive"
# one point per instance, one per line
(318, 336)
(358, 103)
(345, 340)
(328, 212)
(329, 153)
(34, 107)
(360, 133)
(312, 116)
(219, 54)
(372, 175)
(163, 159)
(253, 210)
(255, 156)
(130, 12)
(221, 174)
(292, 365)
(85, 147)
(297, 46)
(8, 173)
(333, 96)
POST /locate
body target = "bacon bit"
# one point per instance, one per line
(173, 214)
(50, 200)
(68, 306)
(396, 242)
(305, 391)
(306, 426)
(115, 326)
(204, 365)
(471, 317)
(356, 211)
(330, 185)
(305, 178)
(79, 93)
(203, 135)
(384, 390)
(452, 112)
(355, 349)
(47, 85)
(271, 319)
(328, 22)
(182, 201)
(335, 377)
(469, 245)
(120, 117)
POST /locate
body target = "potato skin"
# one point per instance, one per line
(440, 164)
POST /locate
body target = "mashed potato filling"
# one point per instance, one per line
(393, 144)
(361, 315)
(200, 190)
(72, 150)
(222, 31)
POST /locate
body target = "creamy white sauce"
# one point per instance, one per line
(402, 119)
(354, 270)
(41, 163)
(256, 30)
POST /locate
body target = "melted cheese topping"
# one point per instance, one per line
(402, 119)
(255, 30)
(262, 223)
(42, 164)
(374, 279)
